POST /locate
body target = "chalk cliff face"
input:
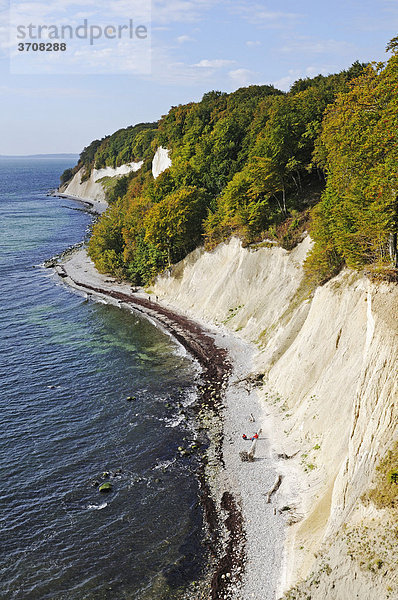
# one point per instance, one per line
(331, 369)
(118, 171)
(90, 189)
(161, 161)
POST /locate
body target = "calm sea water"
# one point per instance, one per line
(67, 366)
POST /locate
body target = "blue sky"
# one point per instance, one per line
(197, 46)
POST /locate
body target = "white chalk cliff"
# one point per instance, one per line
(118, 171)
(331, 362)
(161, 161)
(89, 190)
(92, 189)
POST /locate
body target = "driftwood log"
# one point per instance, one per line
(285, 456)
(274, 488)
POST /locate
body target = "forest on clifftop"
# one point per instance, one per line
(263, 165)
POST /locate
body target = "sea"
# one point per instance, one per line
(67, 367)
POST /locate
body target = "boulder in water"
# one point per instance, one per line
(105, 487)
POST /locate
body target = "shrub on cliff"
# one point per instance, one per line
(66, 176)
(384, 494)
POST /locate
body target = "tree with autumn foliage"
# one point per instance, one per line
(174, 225)
(242, 164)
(248, 204)
(356, 221)
(106, 243)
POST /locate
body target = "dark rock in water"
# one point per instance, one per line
(95, 483)
(105, 475)
(118, 471)
(50, 264)
(130, 398)
(105, 487)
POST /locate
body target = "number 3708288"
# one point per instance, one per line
(41, 47)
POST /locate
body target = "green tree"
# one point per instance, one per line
(105, 247)
(358, 149)
(174, 225)
(67, 175)
(248, 204)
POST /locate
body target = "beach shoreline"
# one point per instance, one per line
(246, 537)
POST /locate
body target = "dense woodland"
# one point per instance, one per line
(263, 165)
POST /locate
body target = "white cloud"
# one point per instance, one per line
(182, 39)
(70, 11)
(387, 17)
(206, 74)
(166, 69)
(42, 11)
(305, 44)
(267, 15)
(45, 92)
(242, 77)
(180, 11)
(217, 63)
(253, 44)
(91, 52)
(178, 73)
(122, 58)
(284, 83)
(258, 15)
(134, 9)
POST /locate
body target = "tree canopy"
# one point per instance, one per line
(356, 220)
(252, 163)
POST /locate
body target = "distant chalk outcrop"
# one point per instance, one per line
(89, 190)
(118, 171)
(161, 161)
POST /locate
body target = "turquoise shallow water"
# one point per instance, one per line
(67, 366)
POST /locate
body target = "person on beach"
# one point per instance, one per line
(255, 437)
(244, 436)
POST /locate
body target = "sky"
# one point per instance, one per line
(192, 47)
